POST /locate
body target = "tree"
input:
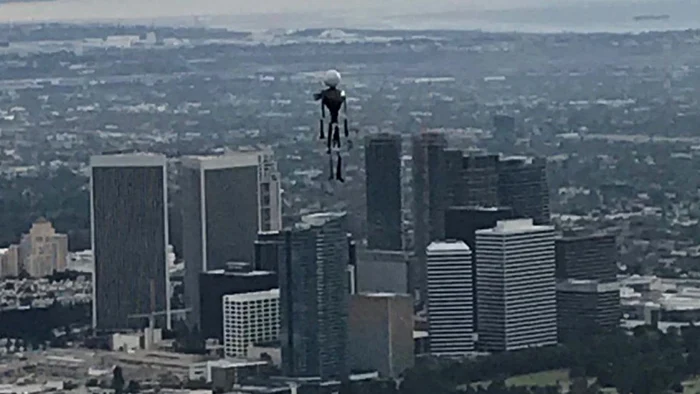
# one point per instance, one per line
(133, 387)
(579, 385)
(118, 380)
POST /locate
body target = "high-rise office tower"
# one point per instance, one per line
(480, 177)
(587, 257)
(587, 307)
(382, 271)
(129, 222)
(269, 250)
(314, 297)
(588, 294)
(381, 333)
(226, 201)
(383, 191)
(461, 223)
(450, 298)
(522, 185)
(430, 193)
(472, 179)
(454, 181)
(515, 283)
(250, 318)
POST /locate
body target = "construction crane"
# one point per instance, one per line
(152, 315)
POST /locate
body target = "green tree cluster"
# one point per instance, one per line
(646, 362)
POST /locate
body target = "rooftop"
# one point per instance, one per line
(514, 226)
(318, 219)
(382, 295)
(228, 160)
(448, 246)
(235, 273)
(259, 295)
(128, 160)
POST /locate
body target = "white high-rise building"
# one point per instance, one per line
(515, 285)
(450, 298)
(250, 318)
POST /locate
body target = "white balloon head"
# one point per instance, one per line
(332, 78)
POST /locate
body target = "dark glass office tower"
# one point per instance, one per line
(461, 223)
(430, 195)
(269, 250)
(128, 215)
(587, 257)
(522, 185)
(314, 298)
(383, 189)
(472, 179)
(220, 212)
(588, 294)
(480, 175)
(586, 308)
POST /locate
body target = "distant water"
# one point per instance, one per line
(613, 17)
(572, 15)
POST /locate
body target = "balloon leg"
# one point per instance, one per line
(336, 137)
(338, 172)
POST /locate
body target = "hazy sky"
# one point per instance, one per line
(599, 15)
(79, 9)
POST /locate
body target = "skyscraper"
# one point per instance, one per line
(587, 257)
(587, 307)
(522, 185)
(314, 297)
(450, 298)
(381, 333)
(430, 194)
(269, 251)
(588, 294)
(382, 271)
(515, 283)
(461, 223)
(383, 191)
(480, 181)
(129, 221)
(226, 201)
